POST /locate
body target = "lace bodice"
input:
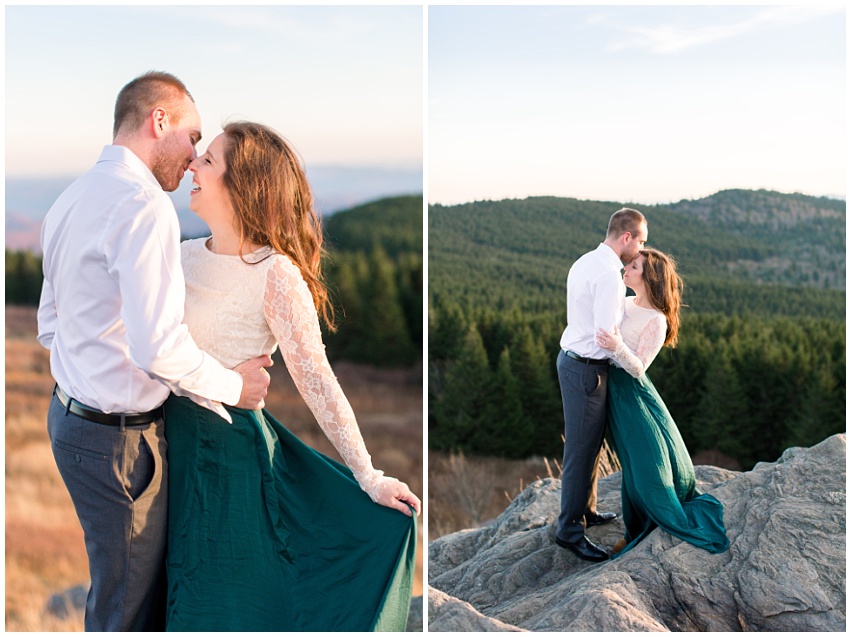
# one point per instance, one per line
(236, 311)
(643, 332)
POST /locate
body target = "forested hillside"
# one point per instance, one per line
(760, 365)
(809, 231)
(375, 275)
(395, 224)
(374, 271)
(517, 252)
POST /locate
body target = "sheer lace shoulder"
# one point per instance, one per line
(292, 317)
(642, 339)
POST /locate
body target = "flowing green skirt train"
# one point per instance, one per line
(658, 487)
(267, 534)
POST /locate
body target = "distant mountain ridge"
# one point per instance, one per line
(518, 252)
(809, 232)
(747, 209)
(336, 188)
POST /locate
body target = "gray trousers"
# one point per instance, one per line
(583, 395)
(118, 483)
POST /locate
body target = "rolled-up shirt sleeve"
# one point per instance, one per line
(142, 250)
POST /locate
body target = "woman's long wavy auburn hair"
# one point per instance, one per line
(273, 203)
(664, 289)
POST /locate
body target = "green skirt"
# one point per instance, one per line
(267, 534)
(658, 487)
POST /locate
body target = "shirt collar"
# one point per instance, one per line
(610, 257)
(126, 157)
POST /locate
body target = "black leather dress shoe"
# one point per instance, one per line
(584, 549)
(599, 518)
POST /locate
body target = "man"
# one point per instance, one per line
(111, 312)
(595, 299)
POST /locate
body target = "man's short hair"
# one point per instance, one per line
(143, 94)
(625, 220)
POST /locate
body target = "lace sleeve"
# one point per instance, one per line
(649, 343)
(292, 316)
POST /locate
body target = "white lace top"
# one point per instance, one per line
(643, 332)
(236, 311)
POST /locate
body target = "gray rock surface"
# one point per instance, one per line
(415, 616)
(451, 614)
(784, 571)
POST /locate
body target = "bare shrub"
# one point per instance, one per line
(467, 491)
(609, 462)
(467, 485)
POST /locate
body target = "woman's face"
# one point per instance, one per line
(209, 198)
(633, 273)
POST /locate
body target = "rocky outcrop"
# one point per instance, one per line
(71, 601)
(415, 616)
(784, 571)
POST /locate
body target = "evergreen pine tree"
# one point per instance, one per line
(722, 414)
(539, 391)
(410, 283)
(385, 340)
(447, 329)
(503, 430)
(464, 406)
(346, 282)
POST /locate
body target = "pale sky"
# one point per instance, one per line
(344, 84)
(645, 104)
(648, 104)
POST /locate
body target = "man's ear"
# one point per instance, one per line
(159, 122)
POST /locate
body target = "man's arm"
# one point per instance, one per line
(47, 319)
(608, 301)
(46, 315)
(142, 249)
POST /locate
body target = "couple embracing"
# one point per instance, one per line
(609, 342)
(200, 510)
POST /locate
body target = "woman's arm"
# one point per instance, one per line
(293, 319)
(649, 343)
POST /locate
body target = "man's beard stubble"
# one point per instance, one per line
(167, 165)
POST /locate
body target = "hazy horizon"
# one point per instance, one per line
(336, 188)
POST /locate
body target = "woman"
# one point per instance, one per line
(264, 532)
(658, 486)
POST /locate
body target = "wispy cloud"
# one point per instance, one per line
(292, 22)
(672, 38)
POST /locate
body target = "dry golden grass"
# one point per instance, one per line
(44, 542)
(467, 491)
(45, 553)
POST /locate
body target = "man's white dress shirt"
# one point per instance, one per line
(595, 299)
(111, 307)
